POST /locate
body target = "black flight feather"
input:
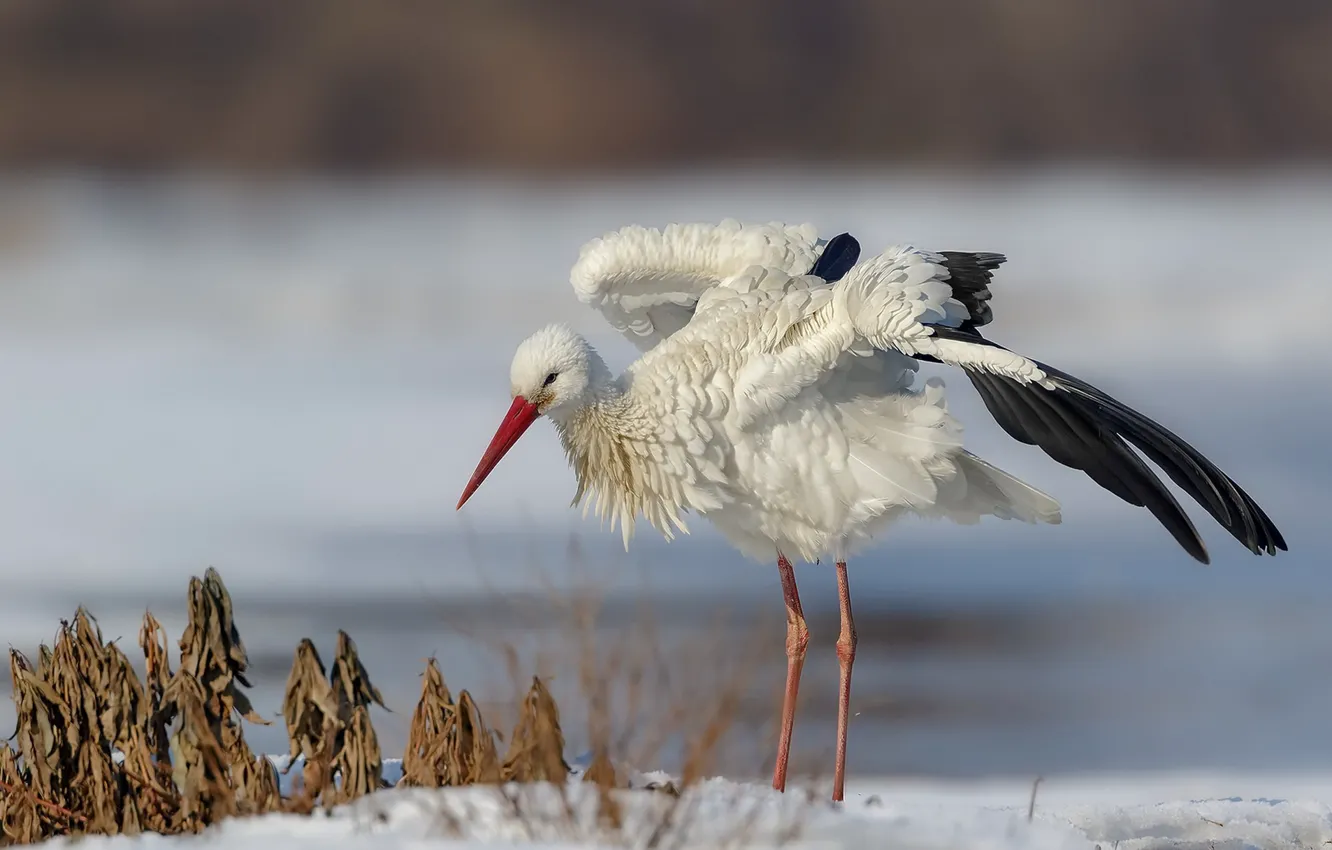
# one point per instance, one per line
(1084, 428)
(969, 275)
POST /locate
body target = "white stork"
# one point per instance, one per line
(775, 397)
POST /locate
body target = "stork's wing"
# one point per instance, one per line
(646, 282)
(906, 300)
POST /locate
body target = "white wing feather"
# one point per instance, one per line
(892, 300)
(851, 342)
(646, 282)
(799, 328)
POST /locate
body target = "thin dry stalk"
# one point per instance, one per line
(636, 706)
(640, 708)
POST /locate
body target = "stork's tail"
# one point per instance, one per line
(993, 492)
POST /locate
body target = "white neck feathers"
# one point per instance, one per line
(609, 446)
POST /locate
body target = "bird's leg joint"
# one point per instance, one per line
(846, 637)
(797, 633)
(846, 645)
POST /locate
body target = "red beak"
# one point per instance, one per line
(520, 416)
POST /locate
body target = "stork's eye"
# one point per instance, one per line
(550, 379)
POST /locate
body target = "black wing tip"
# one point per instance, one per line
(1227, 502)
(838, 256)
(1070, 436)
(1276, 542)
(1084, 428)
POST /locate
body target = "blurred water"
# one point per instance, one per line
(291, 381)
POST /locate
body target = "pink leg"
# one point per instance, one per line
(797, 638)
(846, 656)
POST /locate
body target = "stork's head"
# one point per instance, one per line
(552, 369)
(554, 373)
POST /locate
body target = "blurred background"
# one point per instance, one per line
(263, 266)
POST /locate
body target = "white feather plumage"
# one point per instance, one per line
(779, 406)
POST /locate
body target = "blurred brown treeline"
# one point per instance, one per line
(545, 85)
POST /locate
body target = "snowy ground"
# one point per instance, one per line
(1208, 812)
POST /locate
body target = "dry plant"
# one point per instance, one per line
(643, 700)
(427, 761)
(536, 747)
(156, 648)
(98, 750)
(311, 714)
(127, 726)
(36, 788)
(473, 745)
(356, 757)
(22, 813)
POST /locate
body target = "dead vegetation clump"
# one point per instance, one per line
(99, 750)
(427, 761)
(536, 747)
(311, 714)
(356, 758)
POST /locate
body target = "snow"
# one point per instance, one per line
(1208, 812)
